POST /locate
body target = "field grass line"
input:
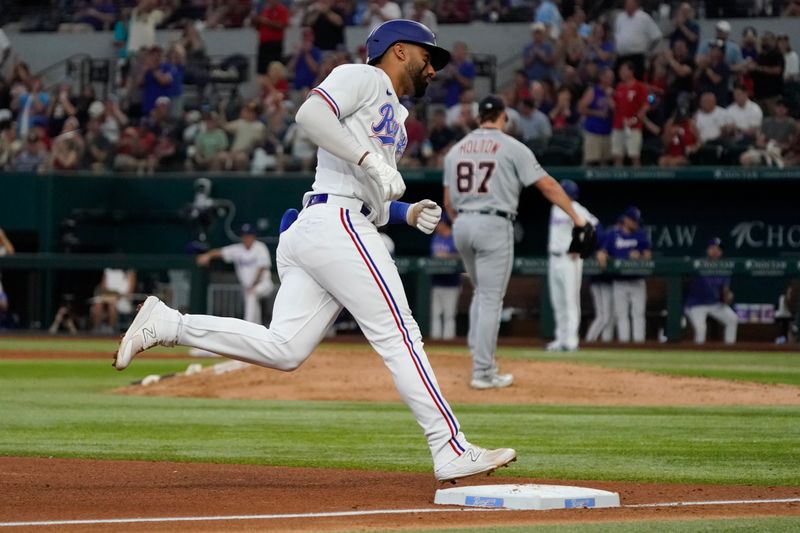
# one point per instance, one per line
(350, 513)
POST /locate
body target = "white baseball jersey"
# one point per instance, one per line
(116, 280)
(560, 234)
(488, 169)
(246, 262)
(363, 99)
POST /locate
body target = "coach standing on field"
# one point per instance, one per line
(628, 241)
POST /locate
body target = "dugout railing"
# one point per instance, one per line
(42, 270)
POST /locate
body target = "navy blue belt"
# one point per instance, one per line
(323, 199)
(499, 213)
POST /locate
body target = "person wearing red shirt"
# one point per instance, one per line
(271, 23)
(681, 139)
(630, 106)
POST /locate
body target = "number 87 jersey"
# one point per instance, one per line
(487, 170)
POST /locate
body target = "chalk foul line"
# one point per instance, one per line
(140, 520)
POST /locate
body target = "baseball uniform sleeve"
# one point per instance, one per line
(348, 88)
(229, 252)
(263, 260)
(607, 243)
(528, 169)
(643, 243)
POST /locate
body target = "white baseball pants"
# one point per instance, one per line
(602, 327)
(564, 281)
(333, 257)
(698, 314)
(444, 306)
(252, 298)
(629, 307)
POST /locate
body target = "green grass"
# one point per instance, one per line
(740, 525)
(64, 408)
(761, 367)
(61, 344)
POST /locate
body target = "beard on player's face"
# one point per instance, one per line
(419, 78)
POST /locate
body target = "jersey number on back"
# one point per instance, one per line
(466, 181)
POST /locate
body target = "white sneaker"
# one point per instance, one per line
(554, 346)
(145, 331)
(498, 381)
(475, 460)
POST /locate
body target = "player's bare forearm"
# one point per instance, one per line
(552, 190)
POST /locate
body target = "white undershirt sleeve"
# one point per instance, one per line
(324, 129)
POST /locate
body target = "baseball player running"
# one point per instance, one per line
(253, 267)
(484, 174)
(332, 256)
(565, 271)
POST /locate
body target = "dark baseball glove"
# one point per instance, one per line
(584, 241)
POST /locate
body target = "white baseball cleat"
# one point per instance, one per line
(554, 346)
(497, 381)
(475, 460)
(145, 332)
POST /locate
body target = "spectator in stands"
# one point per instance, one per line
(686, 28)
(271, 23)
(305, 62)
(61, 107)
(572, 47)
(541, 96)
(791, 61)
(458, 75)
(99, 14)
(745, 115)
(600, 50)
(680, 138)
(710, 295)
(731, 52)
(630, 106)
(113, 119)
(10, 144)
(176, 66)
(445, 287)
(534, 125)
(547, 13)
(248, 132)
(466, 107)
(158, 78)
(713, 74)
(210, 146)
(33, 156)
(135, 151)
(6, 248)
(82, 102)
(112, 297)
(253, 266)
(142, 27)
(8, 59)
(416, 138)
(713, 122)
(539, 55)
(68, 147)
(441, 137)
(302, 151)
(767, 73)
(228, 13)
(778, 133)
(596, 106)
(420, 11)
(327, 22)
(628, 241)
(563, 113)
(521, 89)
(31, 107)
(379, 11)
(166, 129)
(453, 11)
(680, 77)
(197, 63)
(792, 9)
(99, 152)
(635, 35)
(20, 78)
(749, 44)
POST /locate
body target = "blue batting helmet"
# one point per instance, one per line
(571, 188)
(405, 31)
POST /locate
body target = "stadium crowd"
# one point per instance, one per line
(608, 87)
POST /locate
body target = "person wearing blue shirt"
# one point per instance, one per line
(628, 241)
(305, 62)
(446, 287)
(458, 75)
(539, 55)
(711, 296)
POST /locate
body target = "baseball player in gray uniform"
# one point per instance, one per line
(484, 174)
